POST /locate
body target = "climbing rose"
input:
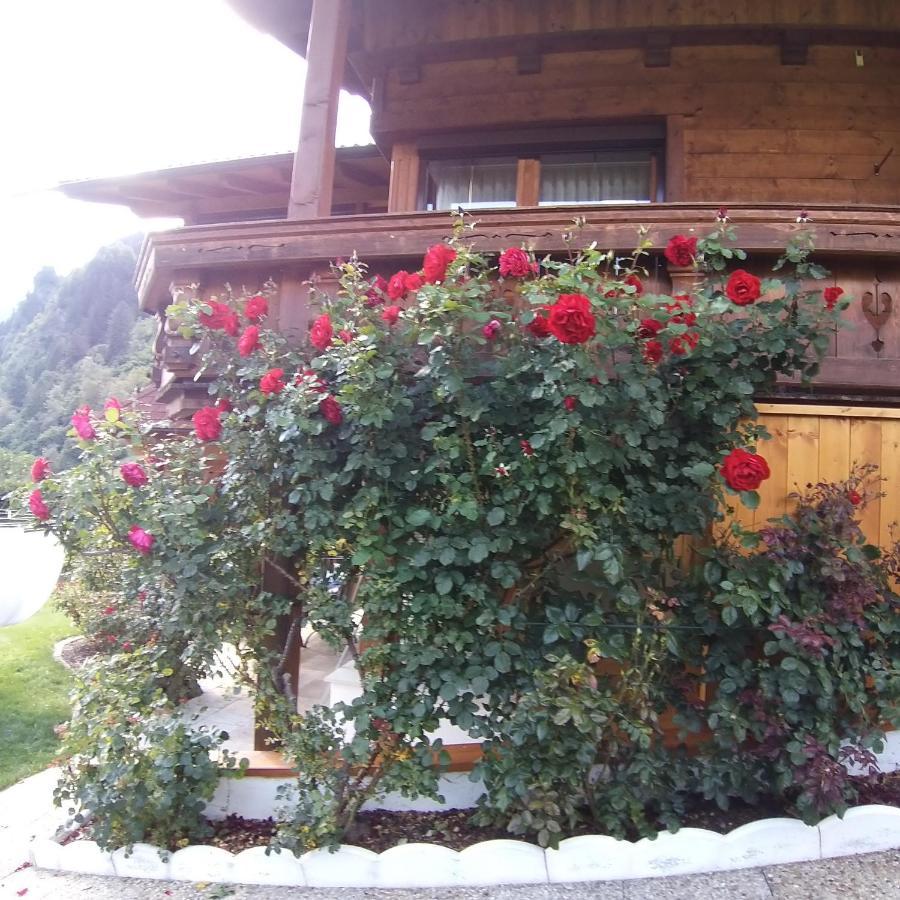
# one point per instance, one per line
(652, 351)
(390, 314)
(831, 295)
(491, 330)
(437, 258)
(570, 403)
(272, 382)
(571, 319)
(681, 303)
(516, 263)
(207, 426)
(742, 288)
(249, 341)
(81, 422)
(401, 283)
(133, 474)
(331, 410)
(681, 250)
(854, 496)
(527, 449)
(345, 335)
(744, 471)
(141, 540)
(40, 469)
(257, 308)
(539, 326)
(37, 506)
(321, 332)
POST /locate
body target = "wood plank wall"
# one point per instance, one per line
(819, 443)
(753, 130)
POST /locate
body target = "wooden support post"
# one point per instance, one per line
(675, 177)
(403, 193)
(528, 182)
(312, 182)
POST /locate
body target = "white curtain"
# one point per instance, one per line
(473, 184)
(601, 179)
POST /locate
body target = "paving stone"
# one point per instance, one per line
(875, 876)
(743, 885)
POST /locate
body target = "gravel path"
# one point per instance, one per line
(875, 876)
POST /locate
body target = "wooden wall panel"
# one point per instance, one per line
(820, 443)
(752, 130)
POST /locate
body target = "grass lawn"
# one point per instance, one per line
(33, 694)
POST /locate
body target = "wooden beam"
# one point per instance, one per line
(403, 192)
(312, 181)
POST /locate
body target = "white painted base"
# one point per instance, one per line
(864, 829)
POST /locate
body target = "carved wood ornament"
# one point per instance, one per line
(877, 308)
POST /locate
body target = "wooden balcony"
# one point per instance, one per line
(861, 246)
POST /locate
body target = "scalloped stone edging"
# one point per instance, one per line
(863, 829)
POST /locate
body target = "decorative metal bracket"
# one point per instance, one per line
(877, 307)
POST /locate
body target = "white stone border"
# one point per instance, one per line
(863, 829)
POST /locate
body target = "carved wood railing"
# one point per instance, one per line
(861, 246)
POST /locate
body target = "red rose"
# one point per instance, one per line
(571, 319)
(390, 314)
(249, 341)
(413, 282)
(527, 449)
(742, 288)
(649, 328)
(516, 263)
(223, 404)
(681, 250)
(40, 469)
(81, 422)
(679, 306)
(321, 332)
(437, 258)
(570, 402)
(220, 318)
(652, 351)
(257, 308)
(744, 471)
(133, 474)
(112, 403)
(683, 343)
(854, 496)
(345, 335)
(141, 540)
(396, 288)
(272, 382)
(831, 295)
(491, 330)
(331, 410)
(539, 326)
(37, 506)
(636, 283)
(207, 426)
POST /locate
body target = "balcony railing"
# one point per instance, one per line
(861, 246)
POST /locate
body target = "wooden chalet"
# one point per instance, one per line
(531, 112)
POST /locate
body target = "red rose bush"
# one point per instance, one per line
(497, 479)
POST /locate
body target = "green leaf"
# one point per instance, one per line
(417, 517)
(496, 516)
(443, 584)
(750, 499)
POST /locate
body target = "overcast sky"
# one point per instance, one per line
(91, 88)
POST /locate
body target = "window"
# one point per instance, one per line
(603, 177)
(613, 163)
(481, 183)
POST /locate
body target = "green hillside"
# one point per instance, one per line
(73, 340)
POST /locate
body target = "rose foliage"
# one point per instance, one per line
(484, 512)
